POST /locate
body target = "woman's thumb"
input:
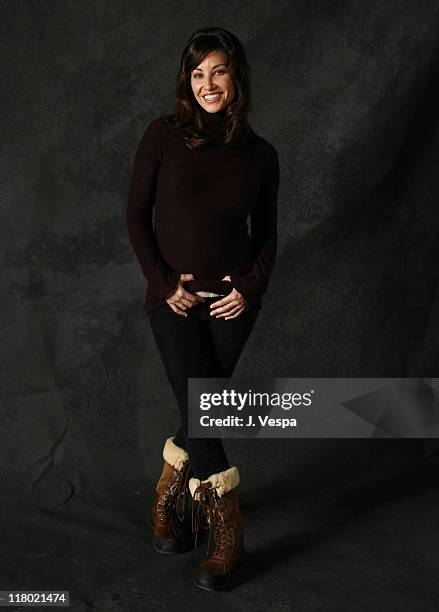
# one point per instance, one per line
(187, 277)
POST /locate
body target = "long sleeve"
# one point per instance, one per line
(139, 210)
(263, 221)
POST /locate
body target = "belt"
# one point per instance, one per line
(208, 294)
(215, 286)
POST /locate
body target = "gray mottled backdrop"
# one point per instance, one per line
(348, 94)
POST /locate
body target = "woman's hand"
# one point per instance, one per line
(230, 306)
(181, 299)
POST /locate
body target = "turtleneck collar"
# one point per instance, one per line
(214, 121)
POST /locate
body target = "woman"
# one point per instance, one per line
(204, 171)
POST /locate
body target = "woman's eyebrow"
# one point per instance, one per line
(212, 67)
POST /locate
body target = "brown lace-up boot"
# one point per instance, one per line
(168, 509)
(216, 500)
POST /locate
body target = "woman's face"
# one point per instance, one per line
(212, 76)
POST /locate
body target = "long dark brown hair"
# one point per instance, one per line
(187, 118)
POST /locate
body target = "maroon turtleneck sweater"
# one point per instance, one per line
(200, 201)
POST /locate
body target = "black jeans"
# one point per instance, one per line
(200, 346)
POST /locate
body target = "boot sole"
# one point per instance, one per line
(169, 547)
(229, 583)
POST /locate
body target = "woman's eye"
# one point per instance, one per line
(221, 71)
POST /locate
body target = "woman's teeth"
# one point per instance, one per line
(212, 98)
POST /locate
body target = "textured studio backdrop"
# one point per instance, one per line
(348, 94)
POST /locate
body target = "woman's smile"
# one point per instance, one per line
(212, 98)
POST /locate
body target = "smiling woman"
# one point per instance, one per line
(212, 82)
(203, 171)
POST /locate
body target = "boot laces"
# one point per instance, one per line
(174, 496)
(213, 510)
